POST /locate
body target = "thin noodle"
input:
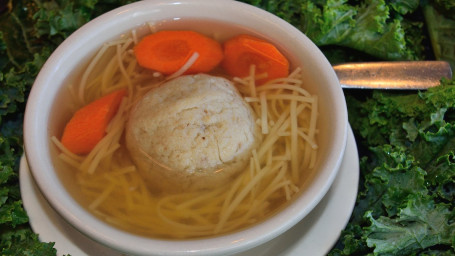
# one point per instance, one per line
(294, 149)
(108, 75)
(264, 123)
(284, 87)
(240, 196)
(307, 139)
(90, 67)
(185, 66)
(120, 52)
(290, 97)
(134, 35)
(65, 151)
(68, 160)
(102, 197)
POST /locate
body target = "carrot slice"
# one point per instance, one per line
(242, 51)
(167, 51)
(88, 125)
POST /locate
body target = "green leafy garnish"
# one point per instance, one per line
(405, 204)
(374, 27)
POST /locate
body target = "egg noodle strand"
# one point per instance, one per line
(114, 191)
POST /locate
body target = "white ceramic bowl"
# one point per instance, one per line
(46, 109)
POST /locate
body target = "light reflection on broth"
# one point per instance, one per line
(109, 185)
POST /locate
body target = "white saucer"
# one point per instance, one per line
(314, 235)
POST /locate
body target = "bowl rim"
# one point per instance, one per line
(98, 230)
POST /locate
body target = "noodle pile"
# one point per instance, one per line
(116, 193)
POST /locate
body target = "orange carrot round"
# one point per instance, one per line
(88, 125)
(242, 51)
(167, 51)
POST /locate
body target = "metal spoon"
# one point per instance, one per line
(402, 75)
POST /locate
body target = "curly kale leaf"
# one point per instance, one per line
(404, 7)
(22, 241)
(62, 17)
(420, 225)
(424, 121)
(16, 236)
(366, 28)
(408, 187)
(374, 27)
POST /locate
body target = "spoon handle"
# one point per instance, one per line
(402, 75)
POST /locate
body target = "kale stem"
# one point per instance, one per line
(24, 33)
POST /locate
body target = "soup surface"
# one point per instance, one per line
(109, 182)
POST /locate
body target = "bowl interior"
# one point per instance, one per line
(47, 110)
